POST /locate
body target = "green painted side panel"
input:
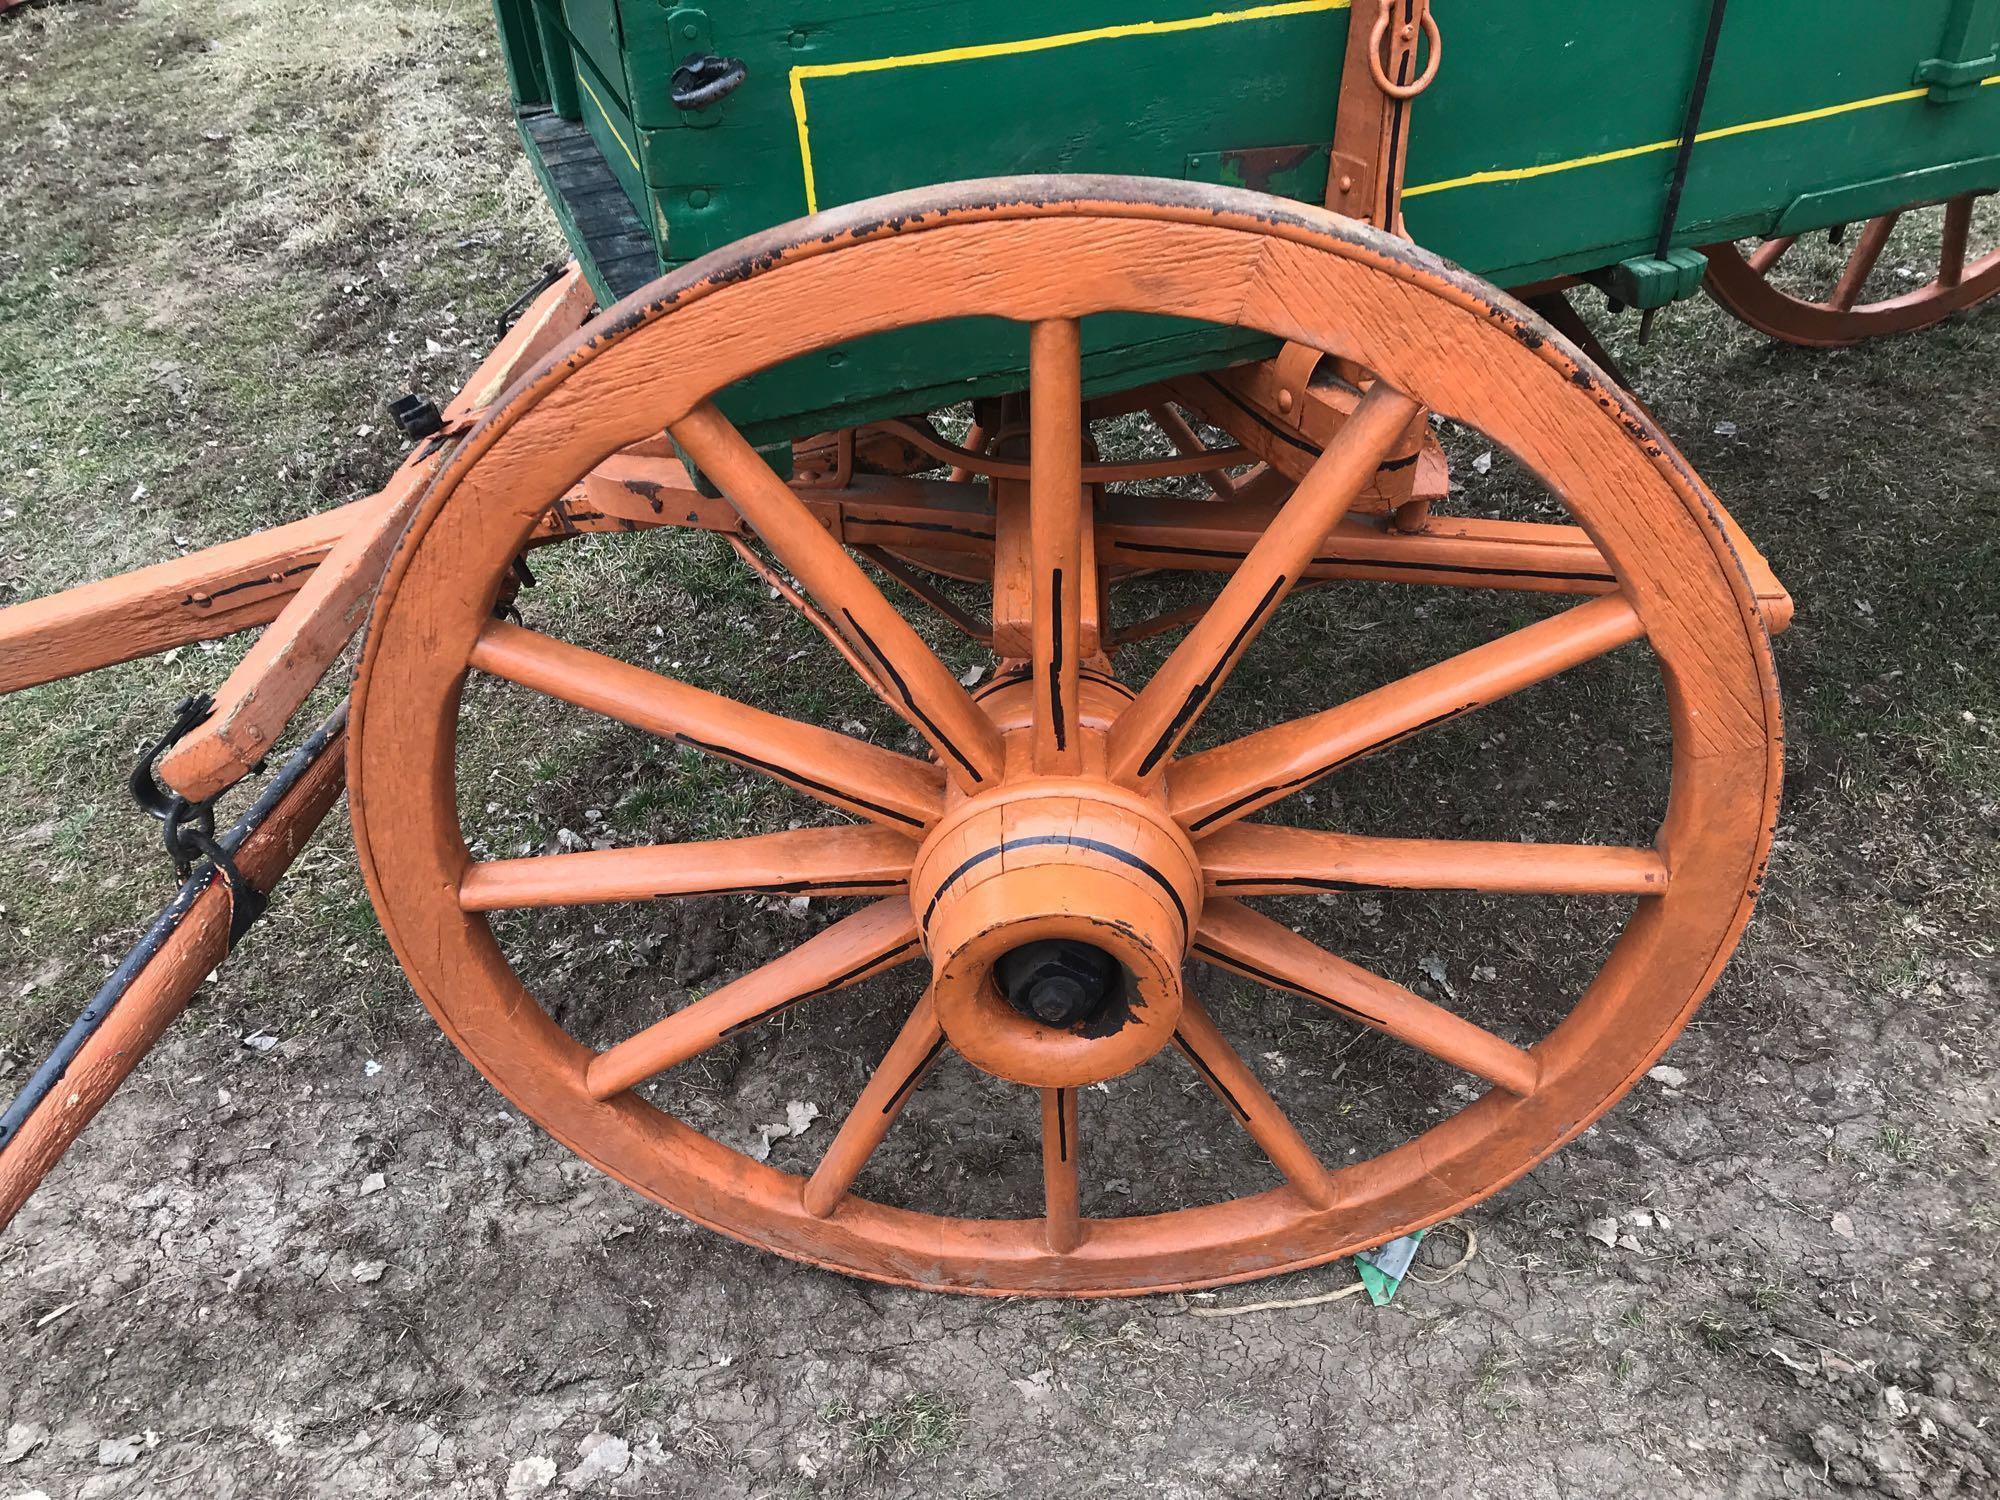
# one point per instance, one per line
(600, 44)
(1567, 92)
(520, 50)
(1544, 147)
(921, 369)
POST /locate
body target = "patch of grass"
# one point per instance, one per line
(233, 231)
(1717, 1334)
(1898, 1144)
(922, 1425)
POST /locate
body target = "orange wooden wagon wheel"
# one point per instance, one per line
(1755, 289)
(1059, 863)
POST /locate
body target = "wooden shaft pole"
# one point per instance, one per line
(165, 983)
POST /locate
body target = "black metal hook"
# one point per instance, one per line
(705, 79)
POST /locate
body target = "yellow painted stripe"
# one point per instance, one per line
(1652, 148)
(610, 125)
(1018, 48)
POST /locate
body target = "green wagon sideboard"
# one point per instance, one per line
(1544, 147)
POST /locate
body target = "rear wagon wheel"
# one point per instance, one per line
(1848, 308)
(1059, 862)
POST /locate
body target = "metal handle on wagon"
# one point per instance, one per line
(1382, 80)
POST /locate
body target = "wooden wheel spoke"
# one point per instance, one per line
(920, 687)
(1187, 442)
(1764, 259)
(804, 862)
(871, 941)
(1247, 943)
(1057, 514)
(1263, 859)
(1867, 252)
(1059, 1185)
(1231, 1080)
(1149, 729)
(909, 1057)
(1957, 231)
(866, 780)
(1232, 781)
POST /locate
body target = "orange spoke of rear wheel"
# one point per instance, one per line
(1258, 948)
(803, 862)
(909, 1057)
(1957, 230)
(1056, 517)
(1234, 780)
(1187, 441)
(1767, 255)
(1867, 251)
(1059, 1190)
(922, 688)
(1263, 859)
(867, 780)
(871, 941)
(1154, 723)
(1237, 1087)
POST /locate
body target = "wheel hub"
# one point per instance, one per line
(1056, 912)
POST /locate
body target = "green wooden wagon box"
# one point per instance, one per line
(1543, 152)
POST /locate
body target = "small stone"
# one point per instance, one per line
(530, 1476)
(370, 1270)
(1037, 1387)
(1604, 1231)
(604, 1457)
(373, 1183)
(116, 1453)
(22, 1439)
(1843, 1226)
(1667, 1077)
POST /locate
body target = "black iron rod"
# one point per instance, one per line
(42, 1082)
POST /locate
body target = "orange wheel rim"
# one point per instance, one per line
(1849, 309)
(1433, 336)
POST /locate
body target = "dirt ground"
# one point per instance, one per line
(308, 1252)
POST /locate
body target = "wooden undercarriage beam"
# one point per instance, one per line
(1153, 532)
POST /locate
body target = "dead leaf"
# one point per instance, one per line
(799, 1115)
